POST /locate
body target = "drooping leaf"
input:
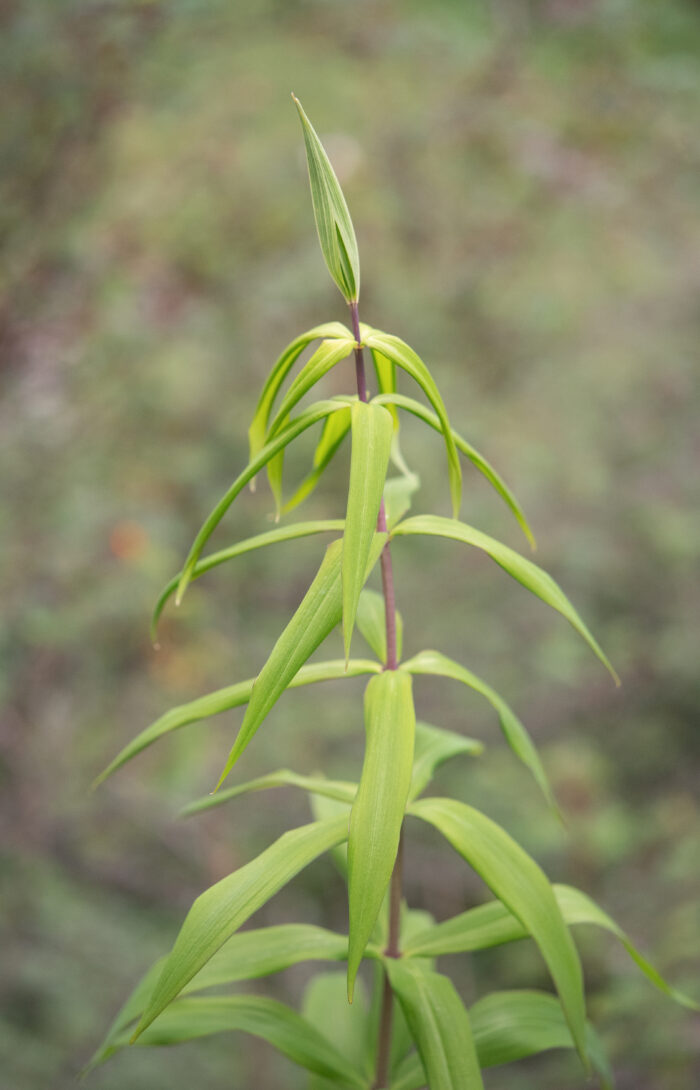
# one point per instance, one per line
(271, 537)
(326, 1004)
(315, 785)
(232, 696)
(301, 423)
(247, 955)
(517, 737)
(520, 884)
(219, 911)
(371, 446)
(317, 615)
(398, 493)
(439, 1025)
(371, 621)
(522, 569)
(334, 431)
(326, 356)
(404, 357)
(283, 1028)
(478, 460)
(434, 746)
(335, 230)
(378, 810)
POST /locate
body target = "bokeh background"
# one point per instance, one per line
(523, 178)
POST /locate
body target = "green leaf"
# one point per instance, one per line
(305, 420)
(219, 911)
(326, 1004)
(269, 1019)
(404, 357)
(315, 785)
(271, 537)
(516, 880)
(378, 810)
(398, 493)
(326, 356)
(317, 615)
(246, 956)
(334, 431)
(371, 621)
(527, 573)
(371, 446)
(439, 1025)
(232, 696)
(434, 746)
(335, 230)
(466, 448)
(258, 428)
(385, 370)
(517, 737)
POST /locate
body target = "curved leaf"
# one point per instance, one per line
(434, 746)
(404, 357)
(335, 230)
(516, 880)
(326, 356)
(232, 696)
(270, 537)
(378, 810)
(527, 573)
(439, 1025)
(371, 445)
(219, 911)
(315, 785)
(371, 621)
(334, 431)
(517, 737)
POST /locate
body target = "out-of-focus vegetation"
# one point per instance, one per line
(524, 181)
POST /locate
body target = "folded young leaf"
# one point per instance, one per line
(334, 431)
(371, 621)
(371, 445)
(527, 573)
(477, 460)
(378, 810)
(270, 537)
(315, 785)
(335, 230)
(439, 1025)
(317, 615)
(326, 356)
(301, 423)
(433, 747)
(232, 696)
(404, 357)
(247, 955)
(517, 737)
(219, 911)
(517, 881)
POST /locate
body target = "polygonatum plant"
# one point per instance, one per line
(411, 1029)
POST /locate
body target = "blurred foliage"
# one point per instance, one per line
(523, 178)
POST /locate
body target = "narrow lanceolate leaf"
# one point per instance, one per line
(269, 1019)
(219, 912)
(378, 810)
(432, 662)
(398, 497)
(477, 460)
(300, 424)
(519, 883)
(385, 370)
(232, 696)
(315, 785)
(434, 746)
(334, 431)
(439, 1025)
(258, 427)
(527, 573)
(371, 445)
(260, 541)
(404, 357)
(371, 621)
(246, 956)
(326, 1004)
(326, 356)
(335, 230)
(319, 612)
(492, 924)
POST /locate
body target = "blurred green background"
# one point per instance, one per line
(523, 179)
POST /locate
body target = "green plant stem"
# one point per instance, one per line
(381, 1079)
